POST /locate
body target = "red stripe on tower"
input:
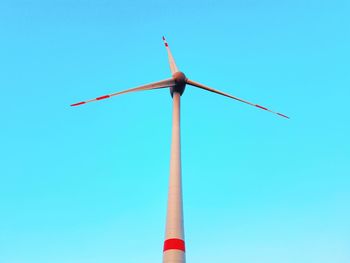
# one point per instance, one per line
(103, 97)
(174, 243)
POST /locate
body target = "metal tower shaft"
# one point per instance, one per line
(174, 244)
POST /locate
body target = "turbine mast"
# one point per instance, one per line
(174, 244)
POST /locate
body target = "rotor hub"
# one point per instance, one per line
(180, 83)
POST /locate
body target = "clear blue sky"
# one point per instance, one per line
(89, 184)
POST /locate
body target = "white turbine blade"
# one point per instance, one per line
(155, 85)
(196, 84)
(172, 63)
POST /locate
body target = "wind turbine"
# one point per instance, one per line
(174, 244)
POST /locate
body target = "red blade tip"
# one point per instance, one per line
(103, 97)
(79, 103)
(283, 115)
(261, 107)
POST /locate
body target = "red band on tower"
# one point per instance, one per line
(174, 243)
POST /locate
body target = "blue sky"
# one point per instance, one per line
(89, 184)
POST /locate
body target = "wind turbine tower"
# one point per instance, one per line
(174, 243)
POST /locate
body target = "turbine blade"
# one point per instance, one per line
(155, 85)
(172, 63)
(198, 85)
